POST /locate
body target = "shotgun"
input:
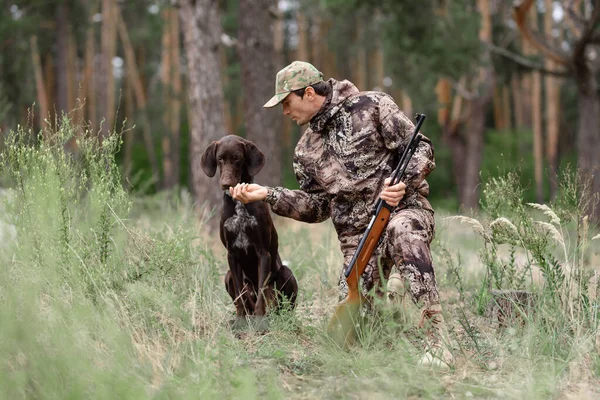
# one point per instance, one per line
(343, 323)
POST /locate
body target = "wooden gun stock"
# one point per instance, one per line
(342, 324)
(365, 250)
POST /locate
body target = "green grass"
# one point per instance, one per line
(107, 296)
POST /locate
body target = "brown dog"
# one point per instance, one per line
(256, 274)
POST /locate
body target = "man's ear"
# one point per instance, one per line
(209, 160)
(310, 92)
(255, 159)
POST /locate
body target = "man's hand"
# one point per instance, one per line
(392, 194)
(248, 192)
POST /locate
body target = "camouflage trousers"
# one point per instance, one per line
(404, 244)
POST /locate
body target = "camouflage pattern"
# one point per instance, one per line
(297, 75)
(405, 244)
(341, 162)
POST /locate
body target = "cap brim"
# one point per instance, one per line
(278, 98)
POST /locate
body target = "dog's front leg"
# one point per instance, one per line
(264, 269)
(238, 286)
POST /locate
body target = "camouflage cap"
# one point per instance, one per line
(297, 75)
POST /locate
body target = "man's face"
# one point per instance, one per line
(301, 109)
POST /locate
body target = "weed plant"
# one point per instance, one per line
(543, 252)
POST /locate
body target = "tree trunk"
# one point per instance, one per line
(201, 26)
(552, 109)
(552, 130)
(302, 52)
(62, 44)
(538, 146)
(106, 91)
(327, 64)
(302, 49)
(588, 101)
(501, 108)
(90, 77)
(473, 151)
(506, 107)
(176, 95)
(279, 44)
(588, 144)
(316, 45)
(450, 119)
(456, 143)
(360, 59)
(443, 91)
(50, 83)
(588, 140)
(171, 82)
(498, 105)
(377, 68)
(536, 114)
(167, 145)
(524, 90)
(39, 82)
(74, 106)
(129, 134)
(527, 88)
(258, 61)
(138, 91)
(515, 89)
(407, 106)
(72, 68)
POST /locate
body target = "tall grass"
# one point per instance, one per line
(92, 305)
(103, 295)
(544, 252)
(107, 296)
(555, 246)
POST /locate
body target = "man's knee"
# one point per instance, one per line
(408, 239)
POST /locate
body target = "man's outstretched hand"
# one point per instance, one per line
(392, 194)
(248, 192)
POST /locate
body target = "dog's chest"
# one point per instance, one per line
(239, 227)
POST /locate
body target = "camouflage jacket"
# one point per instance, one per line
(353, 143)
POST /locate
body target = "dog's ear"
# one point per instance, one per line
(254, 158)
(209, 160)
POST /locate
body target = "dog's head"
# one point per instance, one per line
(238, 160)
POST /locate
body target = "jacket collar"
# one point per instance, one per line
(340, 92)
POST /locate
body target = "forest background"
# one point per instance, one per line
(507, 86)
(111, 285)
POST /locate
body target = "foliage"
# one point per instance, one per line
(19, 20)
(422, 40)
(537, 242)
(39, 168)
(79, 283)
(507, 151)
(5, 106)
(123, 298)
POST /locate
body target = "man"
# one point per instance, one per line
(343, 163)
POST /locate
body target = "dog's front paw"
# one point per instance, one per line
(260, 323)
(239, 324)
